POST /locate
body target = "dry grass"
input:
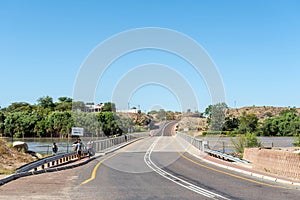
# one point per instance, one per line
(195, 125)
(11, 159)
(262, 112)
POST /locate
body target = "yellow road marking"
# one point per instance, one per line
(233, 175)
(230, 174)
(93, 175)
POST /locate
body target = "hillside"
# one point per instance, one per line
(262, 112)
(196, 125)
(11, 159)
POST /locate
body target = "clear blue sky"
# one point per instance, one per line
(254, 44)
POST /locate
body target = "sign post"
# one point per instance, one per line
(75, 131)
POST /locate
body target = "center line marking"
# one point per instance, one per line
(175, 179)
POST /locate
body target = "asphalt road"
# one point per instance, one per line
(153, 168)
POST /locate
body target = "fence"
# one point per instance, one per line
(100, 145)
(60, 159)
(203, 146)
(199, 144)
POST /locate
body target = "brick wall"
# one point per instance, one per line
(281, 162)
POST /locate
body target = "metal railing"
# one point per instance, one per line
(199, 144)
(50, 162)
(203, 146)
(224, 156)
(100, 145)
(61, 159)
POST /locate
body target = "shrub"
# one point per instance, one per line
(244, 141)
(296, 142)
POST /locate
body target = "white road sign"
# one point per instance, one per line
(77, 131)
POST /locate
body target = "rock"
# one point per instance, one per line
(19, 145)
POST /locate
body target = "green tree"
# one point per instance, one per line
(64, 104)
(248, 123)
(46, 102)
(231, 123)
(216, 116)
(13, 125)
(286, 124)
(65, 99)
(9, 125)
(78, 106)
(125, 123)
(108, 123)
(88, 121)
(109, 107)
(19, 107)
(208, 110)
(2, 123)
(60, 123)
(296, 142)
(42, 128)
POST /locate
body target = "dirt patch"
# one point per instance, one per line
(11, 159)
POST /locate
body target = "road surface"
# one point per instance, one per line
(153, 168)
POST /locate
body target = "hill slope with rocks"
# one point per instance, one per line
(262, 112)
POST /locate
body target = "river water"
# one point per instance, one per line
(44, 145)
(225, 143)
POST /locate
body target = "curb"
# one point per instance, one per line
(49, 170)
(264, 177)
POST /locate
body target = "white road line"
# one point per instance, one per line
(177, 180)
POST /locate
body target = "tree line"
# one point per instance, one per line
(287, 123)
(56, 119)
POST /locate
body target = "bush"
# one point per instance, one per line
(243, 141)
(296, 142)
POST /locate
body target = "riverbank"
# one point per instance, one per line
(11, 159)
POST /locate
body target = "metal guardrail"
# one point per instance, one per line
(49, 161)
(203, 146)
(224, 156)
(97, 146)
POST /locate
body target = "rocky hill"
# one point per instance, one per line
(262, 112)
(196, 125)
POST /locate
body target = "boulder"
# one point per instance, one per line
(19, 145)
